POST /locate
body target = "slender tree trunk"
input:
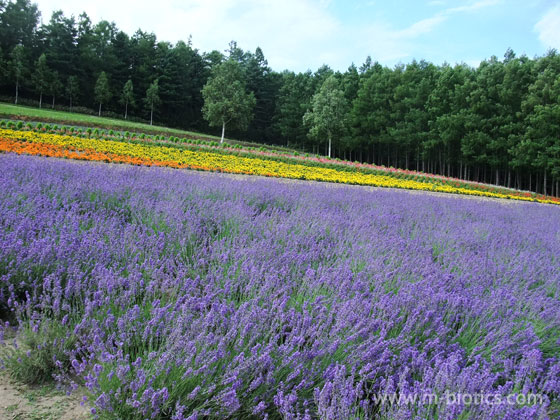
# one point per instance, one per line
(152, 114)
(40, 100)
(497, 177)
(126, 110)
(530, 182)
(223, 131)
(70, 104)
(509, 178)
(331, 145)
(99, 109)
(544, 183)
(17, 89)
(53, 98)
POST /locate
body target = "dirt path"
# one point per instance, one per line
(22, 402)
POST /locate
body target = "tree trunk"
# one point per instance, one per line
(544, 183)
(17, 90)
(497, 177)
(99, 109)
(152, 114)
(70, 104)
(223, 131)
(126, 110)
(41, 100)
(53, 98)
(330, 144)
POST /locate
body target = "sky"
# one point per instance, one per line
(299, 35)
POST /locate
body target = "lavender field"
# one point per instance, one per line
(175, 295)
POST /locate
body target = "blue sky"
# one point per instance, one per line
(304, 34)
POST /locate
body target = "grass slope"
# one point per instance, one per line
(18, 112)
(49, 115)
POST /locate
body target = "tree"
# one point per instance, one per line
(17, 66)
(265, 85)
(3, 70)
(226, 101)
(18, 24)
(60, 46)
(152, 98)
(41, 77)
(127, 96)
(328, 113)
(102, 92)
(55, 86)
(294, 98)
(72, 89)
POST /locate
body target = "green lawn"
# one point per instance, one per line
(7, 110)
(70, 118)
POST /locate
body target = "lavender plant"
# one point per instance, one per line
(175, 295)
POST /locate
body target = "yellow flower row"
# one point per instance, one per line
(235, 164)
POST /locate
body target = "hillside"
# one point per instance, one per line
(189, 150)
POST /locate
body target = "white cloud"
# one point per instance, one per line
(548, 28)
(474, 6)
(421, 27)
(389, 44)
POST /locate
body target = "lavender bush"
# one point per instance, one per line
(175, 295)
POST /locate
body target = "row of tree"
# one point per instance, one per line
(497, 123)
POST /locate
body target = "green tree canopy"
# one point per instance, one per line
(55, 86)
(17, 67)
(152, 98)
(127, 97)
(102, 91)
(41, 76)
(226, 101)
(328, 114)
(72, 89)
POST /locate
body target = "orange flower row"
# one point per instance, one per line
(51, 150)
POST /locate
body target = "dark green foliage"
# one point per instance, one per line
(38, 366)
(102, 91)
(226, 101)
